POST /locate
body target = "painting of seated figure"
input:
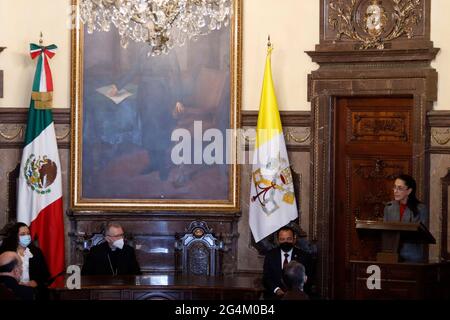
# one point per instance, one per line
(127, 106)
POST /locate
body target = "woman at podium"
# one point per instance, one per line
(408, 209)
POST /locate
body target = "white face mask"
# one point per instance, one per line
(118, 243)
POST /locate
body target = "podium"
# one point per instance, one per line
(408, 280)
(392, 233)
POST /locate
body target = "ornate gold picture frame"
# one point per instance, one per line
(125, 107)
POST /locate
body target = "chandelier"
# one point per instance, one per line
(161, 24)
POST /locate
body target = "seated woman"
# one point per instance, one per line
(407, 208)
(35, 272)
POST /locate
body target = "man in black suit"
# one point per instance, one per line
(277, 258)
(10, 273)
(112, 257)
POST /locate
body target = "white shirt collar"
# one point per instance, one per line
(289, 252)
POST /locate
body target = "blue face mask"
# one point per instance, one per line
(25, 240)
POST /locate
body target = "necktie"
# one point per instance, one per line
(285, 262)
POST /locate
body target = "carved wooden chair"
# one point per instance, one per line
(199, 250)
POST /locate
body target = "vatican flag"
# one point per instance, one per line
(272, 198)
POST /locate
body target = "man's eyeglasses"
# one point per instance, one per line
(400, 188)
(116, 236)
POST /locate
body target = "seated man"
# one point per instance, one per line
(10, 273)
(112, 257)
(277, 258)
(206, 102)
(294, 278)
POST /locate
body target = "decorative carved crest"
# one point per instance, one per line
(441, 137)
(379, 170)
(373, 22)
(369, 126)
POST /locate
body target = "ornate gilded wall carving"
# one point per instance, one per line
(372, 23)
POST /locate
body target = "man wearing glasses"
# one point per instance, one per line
(112, 257)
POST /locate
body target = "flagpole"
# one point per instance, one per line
(272, 202)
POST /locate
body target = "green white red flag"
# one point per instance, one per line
(40, 188)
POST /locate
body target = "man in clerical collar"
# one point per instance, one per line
(112, 257)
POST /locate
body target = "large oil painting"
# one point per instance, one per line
(133, 113)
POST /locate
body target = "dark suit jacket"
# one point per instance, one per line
(272, 272)
(295, 295)
(6, 293)
(123, 261)
(38, 271)
(409, 252)
(20, 292)
(38, 267)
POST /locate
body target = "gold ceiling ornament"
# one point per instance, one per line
(161, 24)
(367, 21)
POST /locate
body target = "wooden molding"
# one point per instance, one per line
(288, 118)
(374, 56)
(20, 115)
(438, 118)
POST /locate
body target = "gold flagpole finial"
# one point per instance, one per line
(269, 45)
(41, 40)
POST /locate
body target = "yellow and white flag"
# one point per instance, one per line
(272, 198)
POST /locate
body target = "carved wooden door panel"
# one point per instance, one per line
(373, 144)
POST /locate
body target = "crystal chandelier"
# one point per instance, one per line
(160, 23)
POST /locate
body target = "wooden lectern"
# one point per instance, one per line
(391, 233)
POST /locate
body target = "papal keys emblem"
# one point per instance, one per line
(40, 172)
(273, 183)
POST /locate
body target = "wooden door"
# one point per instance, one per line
(373, 144)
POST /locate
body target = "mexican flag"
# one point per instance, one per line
(272, 198)
(40, 203)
